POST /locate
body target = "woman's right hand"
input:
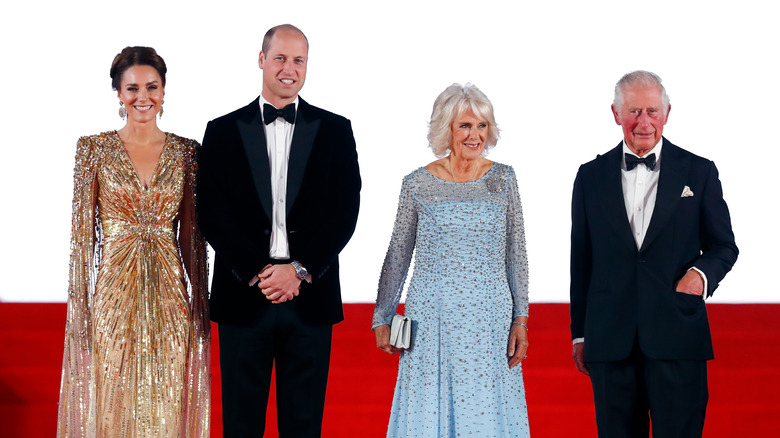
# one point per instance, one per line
(382, 333)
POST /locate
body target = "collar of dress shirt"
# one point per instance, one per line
(655, 150)
(262, 101)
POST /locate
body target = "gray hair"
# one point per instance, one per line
(453, 101)
(641, 78)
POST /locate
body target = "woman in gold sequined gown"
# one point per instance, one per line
(136, 361)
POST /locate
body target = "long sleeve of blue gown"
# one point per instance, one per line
(398, 257)
(516, 258)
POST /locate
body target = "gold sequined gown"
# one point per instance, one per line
(136, 361)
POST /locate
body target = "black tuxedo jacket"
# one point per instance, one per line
(235, 209)
(620, 293)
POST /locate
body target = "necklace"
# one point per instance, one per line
(476, 169)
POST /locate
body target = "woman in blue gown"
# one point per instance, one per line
(468, 296)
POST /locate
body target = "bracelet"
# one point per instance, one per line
(520, 323)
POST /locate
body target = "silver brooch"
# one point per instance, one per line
(495, 185)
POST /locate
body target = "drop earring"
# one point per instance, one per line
(122, 110)
(161, 109)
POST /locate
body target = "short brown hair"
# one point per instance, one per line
(270, 34)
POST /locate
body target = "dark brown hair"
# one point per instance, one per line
(132, 56)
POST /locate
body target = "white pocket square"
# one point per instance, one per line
(686, 192)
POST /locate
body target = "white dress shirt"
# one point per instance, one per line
(640, 188)
(278, 135)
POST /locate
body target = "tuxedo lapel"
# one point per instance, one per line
(610, 191)
(671, 181)
(250, 126)
(306, 126)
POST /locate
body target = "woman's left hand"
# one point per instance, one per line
(518, 342)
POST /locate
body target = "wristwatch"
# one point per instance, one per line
(300, 271)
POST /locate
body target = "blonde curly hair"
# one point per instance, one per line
(453, 101)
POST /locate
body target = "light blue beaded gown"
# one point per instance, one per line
(470, 279)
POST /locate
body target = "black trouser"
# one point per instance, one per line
(673, 391)
(301, 355)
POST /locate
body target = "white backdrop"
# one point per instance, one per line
(548, 67)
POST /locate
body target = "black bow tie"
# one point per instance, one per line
(270, 113)
(632, 161)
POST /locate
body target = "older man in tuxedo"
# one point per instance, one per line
(278, 197)
(651, 239)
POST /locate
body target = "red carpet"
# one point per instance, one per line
(744, 378)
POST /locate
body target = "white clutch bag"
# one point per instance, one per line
(401, 332)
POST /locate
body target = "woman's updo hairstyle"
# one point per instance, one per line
(132, 56)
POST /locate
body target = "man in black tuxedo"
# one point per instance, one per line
(651, 239)
(278, 197)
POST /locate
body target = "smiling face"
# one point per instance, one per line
(641, 117)
(284, 67)
(142, 92)
(468, 136)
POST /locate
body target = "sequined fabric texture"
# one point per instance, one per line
(470, 279)
(136, 361)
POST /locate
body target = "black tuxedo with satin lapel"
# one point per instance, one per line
(618, 291)
(235, 213)
(323, 187)
(623, 299)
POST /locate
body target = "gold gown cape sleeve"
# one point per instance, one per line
(77, 388)
(193, 247)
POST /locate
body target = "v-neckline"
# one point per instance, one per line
(132, 164)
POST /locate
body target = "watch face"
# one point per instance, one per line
(300, 271)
